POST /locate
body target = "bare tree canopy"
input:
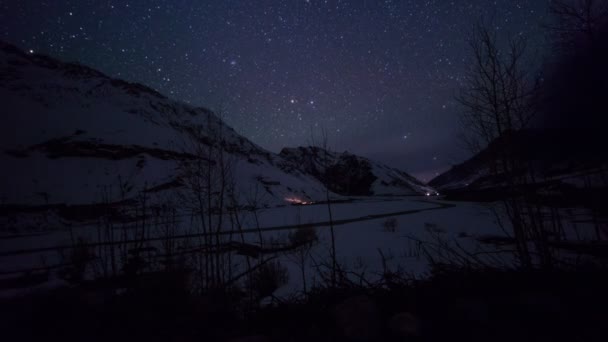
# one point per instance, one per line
(577, 21)
(499, 91)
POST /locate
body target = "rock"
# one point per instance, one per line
(357, 319)
(404, 324)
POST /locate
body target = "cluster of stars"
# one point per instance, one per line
(380, 76)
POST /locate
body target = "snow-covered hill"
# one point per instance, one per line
(539, 153)
(72, 139)
(349, 174)
(70, 135)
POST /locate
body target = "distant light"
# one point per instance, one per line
(295, 200)
(428, 194)
(31, 51)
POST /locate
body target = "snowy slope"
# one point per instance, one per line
(349, 174)
(73, 139)
(70, 134)
(555, 170)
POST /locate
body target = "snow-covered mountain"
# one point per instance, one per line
(558, 169)
(349, 174)
(72, 138)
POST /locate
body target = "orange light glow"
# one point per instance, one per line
(295, 200)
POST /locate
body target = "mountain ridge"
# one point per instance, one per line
(71, 132)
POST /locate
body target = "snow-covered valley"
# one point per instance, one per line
(360, 233)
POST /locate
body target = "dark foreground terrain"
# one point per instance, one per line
(453, 305)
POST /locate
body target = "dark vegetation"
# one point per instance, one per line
(347, 174)
(453, 304)
(563, 134)
(351, 176)
(538, 135)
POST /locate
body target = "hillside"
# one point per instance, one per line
(72, 136)
(555, 172)
(349, 174)
(76, 143)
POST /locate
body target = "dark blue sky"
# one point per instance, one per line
(380, 76)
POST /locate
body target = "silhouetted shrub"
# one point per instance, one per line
(303, 236)
(268, 278)
(390, 225)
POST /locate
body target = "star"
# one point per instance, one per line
(400, 65)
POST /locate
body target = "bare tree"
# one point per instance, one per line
(302, 240)
(575, 19)
(194, 177)
(498, 100)
(254, 199)
(208, 192)
(499, 92)
(324, 146)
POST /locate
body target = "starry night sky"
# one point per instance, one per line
(379, 76)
